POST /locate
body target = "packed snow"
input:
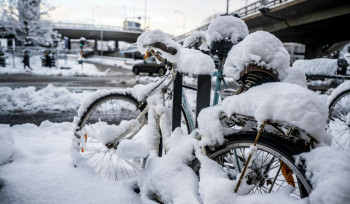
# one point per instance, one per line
(259, 48)
(226, 28)
(192, 62)
(320, 66)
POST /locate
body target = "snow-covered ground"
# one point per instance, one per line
(74, 69)
(41, 169)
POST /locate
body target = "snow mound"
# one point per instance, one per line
(260, 48)
(226, 28)
(317, 66)
(192, 62)
(295, 105)
(30, 99)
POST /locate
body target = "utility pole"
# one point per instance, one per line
(227, 4)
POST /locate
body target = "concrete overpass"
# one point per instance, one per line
(97, 32)
(316, 23)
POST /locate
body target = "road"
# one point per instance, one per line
(116, 77)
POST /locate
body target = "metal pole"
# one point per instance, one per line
(101, 40)
(177, 96)
(228, 1)
(145, 27)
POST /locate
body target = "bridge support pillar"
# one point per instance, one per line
(313, 51)
(116, 45)
(95, 47)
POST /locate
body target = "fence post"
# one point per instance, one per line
(203, 93)
(177, 96)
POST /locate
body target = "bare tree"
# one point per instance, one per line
(22, 19)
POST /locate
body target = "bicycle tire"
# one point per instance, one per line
(268, 144)
(338, 124)
(96, 155)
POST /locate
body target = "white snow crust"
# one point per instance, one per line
(260, 48)
(275, 101)
(192, 62)
(320, 66)
(227, 28)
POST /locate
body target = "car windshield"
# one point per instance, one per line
(150, 60)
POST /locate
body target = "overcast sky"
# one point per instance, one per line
(160, 14)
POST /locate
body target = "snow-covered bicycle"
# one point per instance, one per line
(253, 137)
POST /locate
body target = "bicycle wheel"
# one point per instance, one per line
(273, 167)
(110, 109)
(339, 120)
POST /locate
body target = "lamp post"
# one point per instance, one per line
(93, 15)
(176, 11)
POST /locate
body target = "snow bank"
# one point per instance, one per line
(260, 48)
(7, 146)
(226, 28)
(317, 66)
(329, 171)
(188, 61)
(341, 88)
(50, 98)
(294, 105)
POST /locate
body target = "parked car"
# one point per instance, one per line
(149, 66)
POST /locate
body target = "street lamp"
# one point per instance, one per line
(176, 11)
(93, 14)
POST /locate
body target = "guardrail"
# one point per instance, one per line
(243, 12)
(78, 26)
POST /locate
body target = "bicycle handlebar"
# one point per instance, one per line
(163, 47)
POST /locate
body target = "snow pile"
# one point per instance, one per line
(169, 177)
(340, 89)
(226, 28)
(317, 66)
(188, 61)
(295, 105)
(7, 146)
(196, 36)
(329, 171)
(30, 99)
(260, 48)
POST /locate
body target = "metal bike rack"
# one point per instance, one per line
(203, 97)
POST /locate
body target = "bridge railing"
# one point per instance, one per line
(79, 26)
(243, 12)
